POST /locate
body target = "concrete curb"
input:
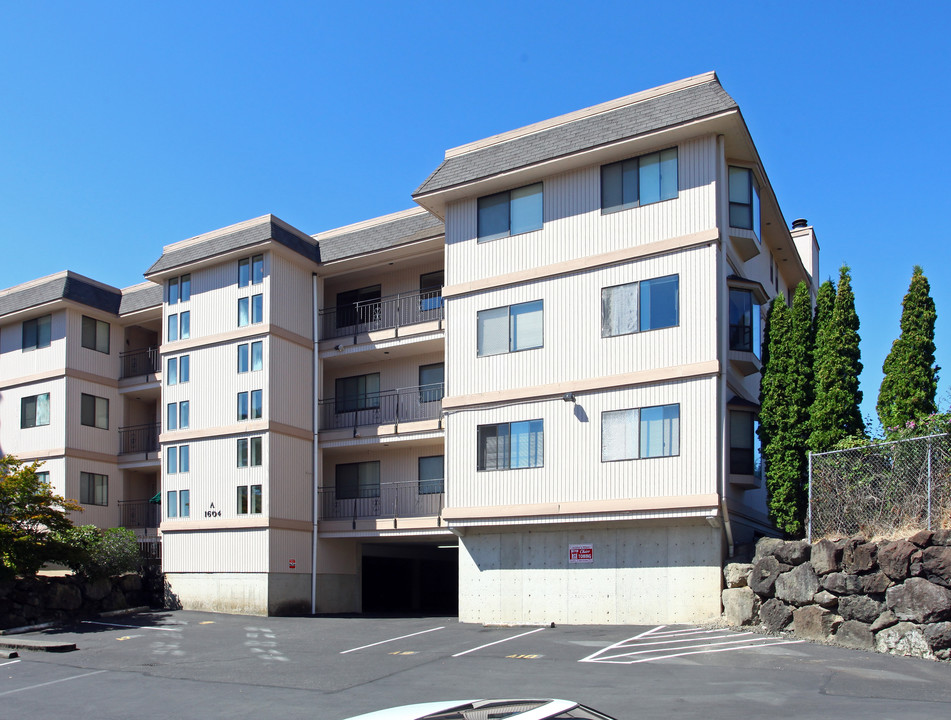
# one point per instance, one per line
(27, 628)
(37, 645)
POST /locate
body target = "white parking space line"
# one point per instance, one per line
(137, 627)
(401, 637)
(466, 652)
(51, 682)
(12, 662)
(654, 645)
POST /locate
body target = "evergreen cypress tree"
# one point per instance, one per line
(824, 420)
(845, 396)
(911, 377)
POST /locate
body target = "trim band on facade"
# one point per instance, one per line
(586, 507)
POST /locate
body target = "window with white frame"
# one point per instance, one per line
(648, 432)
(179, 326)
(179, 289)
(95, 334)
(251, 271)
(250, 500)
(507, 446)
(250, 452)
(37, 333)
(639, 181)
(178, 370)
(251, 356)
(357, 480)
(177, 459)
(35, 410)
(177, 415)
(640, 306)
(431, 474)
(93, 489)
(744, 200)
(511, 212)
(178, 503)
(510, 328)
(94, 411)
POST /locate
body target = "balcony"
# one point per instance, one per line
(403, 405)
(386, 313)
(139, 514)
(139, 362)
(139, 439)
(387, 500)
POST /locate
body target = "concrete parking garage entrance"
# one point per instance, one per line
(411, 577)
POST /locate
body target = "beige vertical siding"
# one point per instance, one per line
(15, 363)
(287, 545)
(100, 515)
(291, 293)
(572, 469)
(397, 464)
(223, 551)
(92, 439)
(574, 226)
(289, 370)
(290, 481)
(27, 442)
(400, 372)
(87, 359)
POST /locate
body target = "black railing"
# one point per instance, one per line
(139, 439)
(386, 500)
(393, 406)
(139, 514)
(381, 314)
(140, 362)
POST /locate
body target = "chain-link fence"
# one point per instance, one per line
(882, 489)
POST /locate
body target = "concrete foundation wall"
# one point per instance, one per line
(338, 593)
(644, 574)
(237, 593)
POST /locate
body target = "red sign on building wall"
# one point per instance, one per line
(580, 553)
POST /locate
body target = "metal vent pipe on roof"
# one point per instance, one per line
(799, 223)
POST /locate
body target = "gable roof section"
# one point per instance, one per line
(65, 285)
(580, 131)
(235, 237)
(378, 234)
(140, 297)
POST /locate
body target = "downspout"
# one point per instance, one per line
(316, 375)
(722, 321)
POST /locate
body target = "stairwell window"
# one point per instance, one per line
(640, 306)
(649, 432)
(511, 212)
(510, 328)
(507, 446)
(37, 333)
(639, 181)
(744, 200)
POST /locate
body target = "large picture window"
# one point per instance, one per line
(640, 306)
(358, 480)
(640, 433)
(35, 410)
(510, 329)
(511, 212)
(508, 446)
(37, 333)
(93, 489)
(639, 181)
(95, 335)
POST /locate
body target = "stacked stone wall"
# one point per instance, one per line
(890, 595)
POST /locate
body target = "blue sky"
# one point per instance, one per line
(127, 126)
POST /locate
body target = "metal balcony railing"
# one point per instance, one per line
(388, 312)
(393, 406)
(139, 514)
(386, 500)
(140, 362)
(139, 439)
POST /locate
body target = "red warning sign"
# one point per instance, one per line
(292, 564)
(580, 553)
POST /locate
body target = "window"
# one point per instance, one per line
(511, 445)
(178, 370)
(93, 489)
(430, 291)
(179, 289)
(186, 325)
(250, 310)
(744, 322)
(252, 410)
(511, 212)
(177, 415)
(639, 181)
(37, 332)
(35, 410)
(744, 444)
(244, 311)
(257, 309)
(176, 459)
(359, 392)
(251, 271)
(510, 329)
(43, 476)
(95, 335)
(431, 474)
(431, 379)
(744, 200)
(251, 357)
(94, 411)
(358, 480)
(357, 307)
(250, 452)
(250, 499)
(179, 326)
(242, 406)
(640, 433)
(179, 503)
(636, 307)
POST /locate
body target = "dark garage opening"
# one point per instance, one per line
(412, 578)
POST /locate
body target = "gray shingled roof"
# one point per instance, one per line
(399, 231)
(140, 298)
(664, 111)
(61, 287)
(266, 229)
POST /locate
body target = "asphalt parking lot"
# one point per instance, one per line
(206, 665)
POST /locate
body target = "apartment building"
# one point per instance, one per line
(532, 398)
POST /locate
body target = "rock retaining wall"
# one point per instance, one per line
(891, 595)
(28, 601)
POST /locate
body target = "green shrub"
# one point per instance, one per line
(101, 553)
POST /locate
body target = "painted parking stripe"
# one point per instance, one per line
(401, 637)
(12, 662)
(137, 627)
(514, 637)
(51, 682)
